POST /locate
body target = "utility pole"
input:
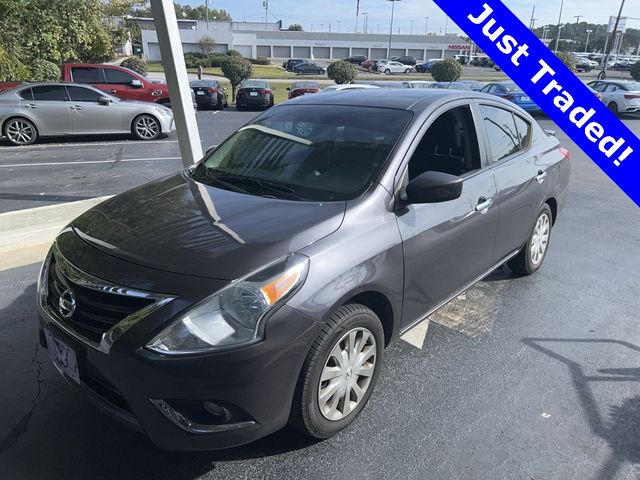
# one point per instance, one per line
(559, 28)
(446, 24)
(338, 22)
(393, 5)
(365, 21)
(265, 4)
(411, 31)
(206, 8)
(426, 26)
(603, 74)
(533, 14)
(575, 33)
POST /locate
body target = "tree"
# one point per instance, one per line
(342, 72)
(136, 64)
(236, 70)
(448, 70)
(206, 44)
(568, 60)
(295, 27)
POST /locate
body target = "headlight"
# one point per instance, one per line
(232, 316)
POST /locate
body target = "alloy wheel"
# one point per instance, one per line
(347, 374)
(147, 127)
(540, 239)
(20, 132)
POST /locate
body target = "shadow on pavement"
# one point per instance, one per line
(620, 424)
(55, 433)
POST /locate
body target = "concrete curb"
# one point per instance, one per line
(28, 234)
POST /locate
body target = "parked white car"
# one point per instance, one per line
(620, 96)
(348, 86)
(394, 67)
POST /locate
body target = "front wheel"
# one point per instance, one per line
(387, 72)
(340, 372)
(146, 127)
(20, 131)
(408, 70)
(530, 258)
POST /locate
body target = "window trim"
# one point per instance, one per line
(100, 73)
(491, 163)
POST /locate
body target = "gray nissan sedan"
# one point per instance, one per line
(261, 286)
(36, 110)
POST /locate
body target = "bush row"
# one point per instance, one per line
(197, 59)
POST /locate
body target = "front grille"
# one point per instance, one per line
(95, 311)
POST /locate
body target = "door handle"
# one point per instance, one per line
(483, 205)
(30, 106)
(541, 176)
(75, 107)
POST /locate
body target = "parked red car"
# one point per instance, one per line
(117, 80)
(298, 89)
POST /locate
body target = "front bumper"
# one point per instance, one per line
(167, 124)
(163, 395)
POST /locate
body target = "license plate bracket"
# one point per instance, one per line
(64, 358)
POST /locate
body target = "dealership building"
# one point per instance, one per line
(253, 39)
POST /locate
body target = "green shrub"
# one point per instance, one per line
(43, 70)
(219, 60)
(448, 70)
(568, 60)
(342, 72)
(136, 64)
(635, 71)
(236, 70)
(11, 70)
(260, 61)
(234, 53)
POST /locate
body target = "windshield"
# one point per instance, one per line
(309, 153)
(204, 83)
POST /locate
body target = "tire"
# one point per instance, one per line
(408, 70)
(220, 104)
(528, 261)
(387, 72)
(239, 107)
(146, 127)
(20, 131)
(613, 106)
(323, 420)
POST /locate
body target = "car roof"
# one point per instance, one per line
(413, 99)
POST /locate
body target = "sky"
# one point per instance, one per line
(319, 14)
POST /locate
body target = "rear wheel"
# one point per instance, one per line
(340, 372)
(408, 70)
(387, 71)
(20, 131)
(613, 106)
(530, 258)
(146, 127)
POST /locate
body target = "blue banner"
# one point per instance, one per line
(550, 84)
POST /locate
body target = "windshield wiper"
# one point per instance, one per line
(202, 171)
(267, 185)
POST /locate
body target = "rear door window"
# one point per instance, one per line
(524, 131)
(50, 93)
(500, 126)
(87, 75)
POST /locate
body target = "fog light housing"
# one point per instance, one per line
(219, 413)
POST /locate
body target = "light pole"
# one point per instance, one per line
(545, 29)
(411, 31)
(586, 45)
(426, 26)
(206, 8)
(603, 74)
(393, 6)
(365, 21)
(446, 24)
(339, 22)
(559, 28)
(322, 27)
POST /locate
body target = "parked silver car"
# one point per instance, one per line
(36, 110)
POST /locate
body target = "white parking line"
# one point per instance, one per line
(88, 162)
(87, 144)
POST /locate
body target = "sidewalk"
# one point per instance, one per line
(28, 234)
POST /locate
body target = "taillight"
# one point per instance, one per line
(511, 98)
(565, 153)
(265, 92)
(632, 97)
(212, 90)
(241, 91)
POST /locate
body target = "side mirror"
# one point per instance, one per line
(104, 101)
(136, 83)
(209, 151)
(434, 187)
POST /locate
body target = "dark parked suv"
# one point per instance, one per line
(405, 60)
(261, 286)
(356, 59)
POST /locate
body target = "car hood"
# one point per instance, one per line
(182, 226)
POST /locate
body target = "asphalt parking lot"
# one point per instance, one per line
(533, 378)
